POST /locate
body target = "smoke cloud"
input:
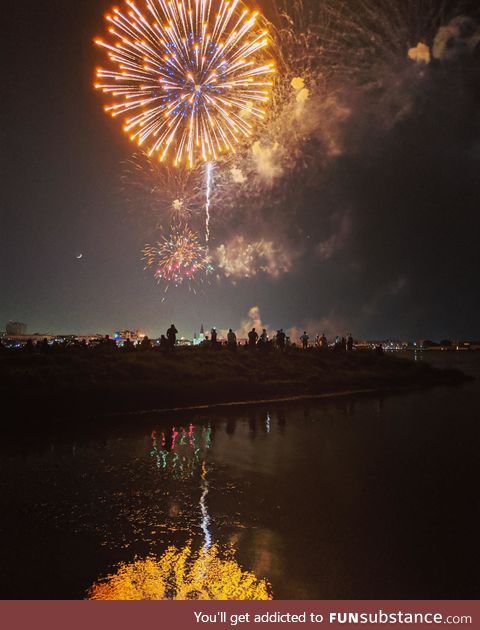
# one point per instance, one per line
(237, 176)
(267, 160)
(421, 54)
(254, 320)
(331, 326)
(460, 37)
(302, 93)
(338, 240)
(242, 259)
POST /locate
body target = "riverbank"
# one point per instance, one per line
(80, 381)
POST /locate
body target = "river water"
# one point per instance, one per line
(364, 497)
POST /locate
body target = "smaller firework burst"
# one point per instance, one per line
(156, 194)
(178, 259)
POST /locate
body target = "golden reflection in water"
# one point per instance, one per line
(183, 575)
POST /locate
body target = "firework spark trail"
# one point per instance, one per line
(208, 201)
(188, 77)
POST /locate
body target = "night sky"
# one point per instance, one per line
(389, 231)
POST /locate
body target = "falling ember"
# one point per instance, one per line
(178, 259)
(187, 78)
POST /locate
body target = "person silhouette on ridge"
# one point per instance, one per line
(172, 333)
(252, 338)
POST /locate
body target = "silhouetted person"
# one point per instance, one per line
(323, 342)
(214, 337)
(304, 339)
(350, 343)
(281, 339)
(231, 340)
(263, 342)
(379, 350)
(338, 343)
(163, 343)
(252, 338)
(29, 346)
(108, 344)
(172, 333)
(146, 344)
(128, 346)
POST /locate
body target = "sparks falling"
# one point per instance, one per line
(188, 78)
(178, 259)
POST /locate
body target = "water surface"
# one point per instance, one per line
(365, 497)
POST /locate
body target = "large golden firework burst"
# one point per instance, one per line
(189, 78)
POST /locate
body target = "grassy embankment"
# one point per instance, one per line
(97, 381)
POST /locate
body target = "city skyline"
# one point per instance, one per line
(19, 330)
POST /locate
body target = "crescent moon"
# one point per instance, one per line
(80, 257)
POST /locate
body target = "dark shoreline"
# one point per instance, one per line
(306, 398)
(48, 387)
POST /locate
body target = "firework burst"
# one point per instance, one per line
(188, 78)
(352, 41)
(159, 195)
(178, 259)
